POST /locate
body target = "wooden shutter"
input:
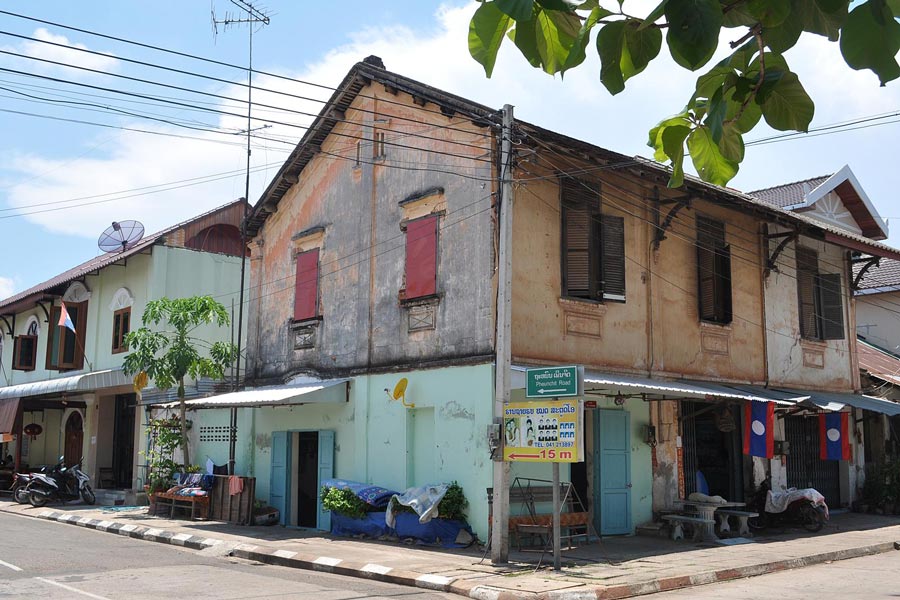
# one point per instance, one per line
(723, 285)
(612, 245)
(24, 352)
(581, 232)
(306, 287)
(121, 327)
(713, 272)
(807, 275)
(421, 257)
(831, 305)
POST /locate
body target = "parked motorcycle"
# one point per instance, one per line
(60, 483)
(804, 508)
(20, 487)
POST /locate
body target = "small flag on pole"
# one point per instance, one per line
(759, 429)
(64, 319)
(834, 436)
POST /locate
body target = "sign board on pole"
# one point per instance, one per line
(546, 432)
(554, 382)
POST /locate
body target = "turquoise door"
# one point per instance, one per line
(612, 472)
(278, 479)
(326, 471)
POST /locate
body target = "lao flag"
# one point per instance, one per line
(64, 319)
(759, 429)
(834, 436)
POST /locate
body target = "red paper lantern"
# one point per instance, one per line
(33, 430)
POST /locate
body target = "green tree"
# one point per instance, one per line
(753, 82)
(171, 354)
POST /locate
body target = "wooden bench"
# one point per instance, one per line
(676, 521)
(742, 515)
(175, 501)
(535, 526)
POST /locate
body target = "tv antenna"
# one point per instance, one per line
(121, 236)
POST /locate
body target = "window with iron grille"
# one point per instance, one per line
(593, 244)
(713, 271)
(820, 299)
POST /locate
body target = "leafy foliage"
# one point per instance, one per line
(344, 502)
(453, 505)
(165, 438)
(753, 82)
(168, 356)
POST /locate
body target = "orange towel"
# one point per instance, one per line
(235, 485)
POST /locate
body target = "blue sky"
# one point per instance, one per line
(94, 175)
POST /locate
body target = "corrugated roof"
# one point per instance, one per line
(275, 395)
(878, 363)
(99, 262)
(73, 383)
(789, 194)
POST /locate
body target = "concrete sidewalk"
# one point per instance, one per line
(618, 567)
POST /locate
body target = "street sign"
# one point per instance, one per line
(545, 432)
(553, 382)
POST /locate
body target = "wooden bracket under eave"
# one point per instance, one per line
(661, 228)
(867, 263)
(771, 261)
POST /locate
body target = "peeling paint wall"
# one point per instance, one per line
(363, 323)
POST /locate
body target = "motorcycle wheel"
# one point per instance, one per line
(37, 500)
(87, 494)
(21, 495)
(812, 518)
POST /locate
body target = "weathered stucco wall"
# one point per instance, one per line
(362, 253)
(876, 318)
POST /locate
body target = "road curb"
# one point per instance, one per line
(462, 587)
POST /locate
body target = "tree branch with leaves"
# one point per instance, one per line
(170, 355)
(753, 83)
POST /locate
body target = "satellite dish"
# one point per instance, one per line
(400, 388)
(121, 236)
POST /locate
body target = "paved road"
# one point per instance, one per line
(869, 577)
(42, 560)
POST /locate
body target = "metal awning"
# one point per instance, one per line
(85, 382)
(9, 410)
(610, 383)
(834, 401)
(275, 395)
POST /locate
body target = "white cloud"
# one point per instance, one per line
(577, 106)
(59, 48)
(7, 287)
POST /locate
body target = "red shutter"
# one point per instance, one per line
(421, 257)
(306, 292)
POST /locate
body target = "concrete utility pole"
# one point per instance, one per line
(500, 520)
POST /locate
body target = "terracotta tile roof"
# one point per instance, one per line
(98, 262)
(879, 363)
(789, 194)
(885, 275)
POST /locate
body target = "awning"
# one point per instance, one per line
(833, 401)
(84, 382)
(9, 410)
(610, 383)
(275, 395)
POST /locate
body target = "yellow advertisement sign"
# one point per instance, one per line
(545, 431)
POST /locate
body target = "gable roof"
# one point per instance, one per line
(25, 299)
(372, 70)
(802, 195)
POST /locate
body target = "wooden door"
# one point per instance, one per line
(612, 472)
(74, 439)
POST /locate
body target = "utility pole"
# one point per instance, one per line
(251, 18)
(503, 347)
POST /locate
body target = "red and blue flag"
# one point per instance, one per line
(759, 429)
(64, 319)
(834, 436)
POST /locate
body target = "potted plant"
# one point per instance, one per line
(263, 514)
(352, 516)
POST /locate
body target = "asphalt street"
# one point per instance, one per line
(868, 578)
(39, 559)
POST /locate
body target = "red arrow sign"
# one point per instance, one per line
(514, 456)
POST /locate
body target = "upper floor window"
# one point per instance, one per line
(421, 257)
(713, 271)
(65, 348)
(25, 348)
(820, 299)
(593, 244)
(121, 327)
(306, 287)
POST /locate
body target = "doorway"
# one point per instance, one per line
(713, 449)
(301, 461)
(74, 439)
(612, 472)
(123, 440)
(805, 468)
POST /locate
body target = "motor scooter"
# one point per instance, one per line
(20, 487)
(793, 507)
(60, 483)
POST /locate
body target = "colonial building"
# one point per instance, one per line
(373, 312)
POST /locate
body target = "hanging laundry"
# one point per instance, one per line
(235, 485)
(210, 465)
